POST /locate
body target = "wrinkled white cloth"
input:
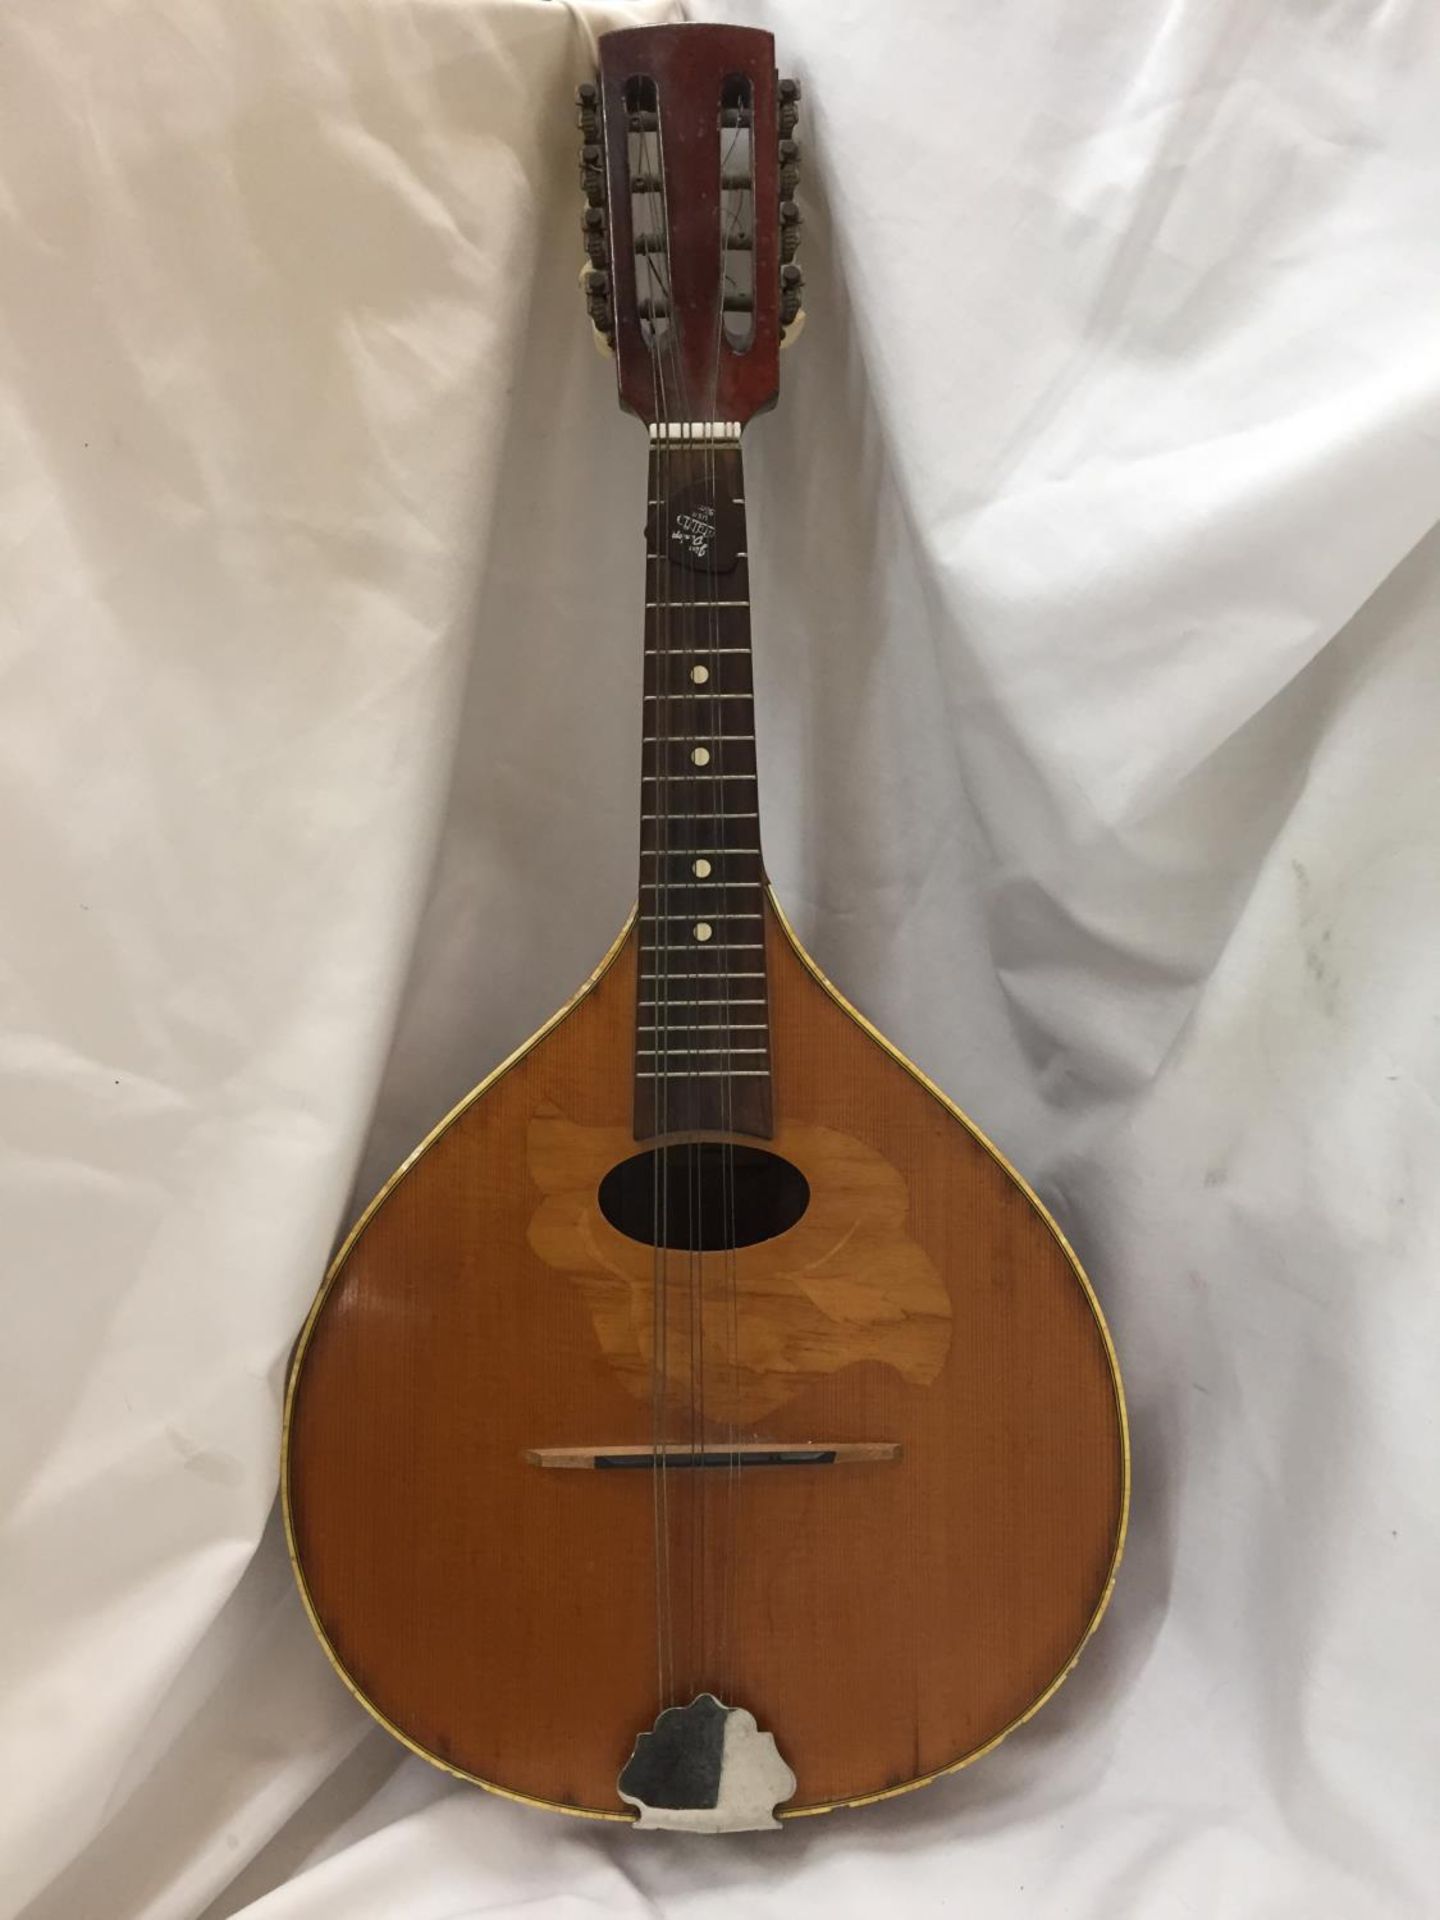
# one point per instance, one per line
(1096, 591)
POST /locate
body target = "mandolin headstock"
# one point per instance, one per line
(689, 166)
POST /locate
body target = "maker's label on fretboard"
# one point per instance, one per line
(704, 531)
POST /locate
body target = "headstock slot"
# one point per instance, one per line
(737, 210)
(649, 227)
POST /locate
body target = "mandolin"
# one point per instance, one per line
(706, 1423)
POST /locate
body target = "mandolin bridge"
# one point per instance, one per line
(719, 1454)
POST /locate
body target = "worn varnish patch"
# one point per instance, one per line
(846, 1283)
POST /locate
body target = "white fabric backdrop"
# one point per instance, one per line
(1096, 584)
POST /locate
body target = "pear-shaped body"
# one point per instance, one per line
(896, 1466)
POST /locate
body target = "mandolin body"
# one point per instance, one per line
(886, 1618)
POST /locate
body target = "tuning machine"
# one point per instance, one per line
(792, 280)
(596, 276)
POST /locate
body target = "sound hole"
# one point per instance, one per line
(703, 1196)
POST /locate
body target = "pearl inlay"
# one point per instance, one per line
(703, 930)
(702, 868)
(701, 756)
(699, 675)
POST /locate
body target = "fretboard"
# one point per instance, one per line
(702, 1031)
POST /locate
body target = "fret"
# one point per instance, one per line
(666, 1007)
(703, 1026)
(693, 1053)
(674, 680)
(674, 653)
(749, 999)
(658, 978)
(696, 739)
(669, 606)
(707, 1073)
(679, 886)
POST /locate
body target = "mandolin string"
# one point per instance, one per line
(659, 987)
(698, 1490)
(673, 400)
(699, 1493)
(677, 407)
(662, 344)
(704, 601)
(736, 1480)
(673, 403)
(728, 227)
(692, 605)
(709, 702)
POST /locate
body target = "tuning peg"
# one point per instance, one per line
(790, 90)
(592, 173)
(789, 114)
(597, 301)
(587, 116)
(792, 282)
(790, 224)
(592, 230)
(789, 168)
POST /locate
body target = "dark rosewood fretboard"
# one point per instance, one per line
(702, 1036)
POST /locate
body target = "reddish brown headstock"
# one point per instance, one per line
(688, 169)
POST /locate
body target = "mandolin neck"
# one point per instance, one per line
(702, 1031)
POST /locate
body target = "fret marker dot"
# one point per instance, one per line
(701, 756)
(699, 675)
(702, 868)
(703, 930)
